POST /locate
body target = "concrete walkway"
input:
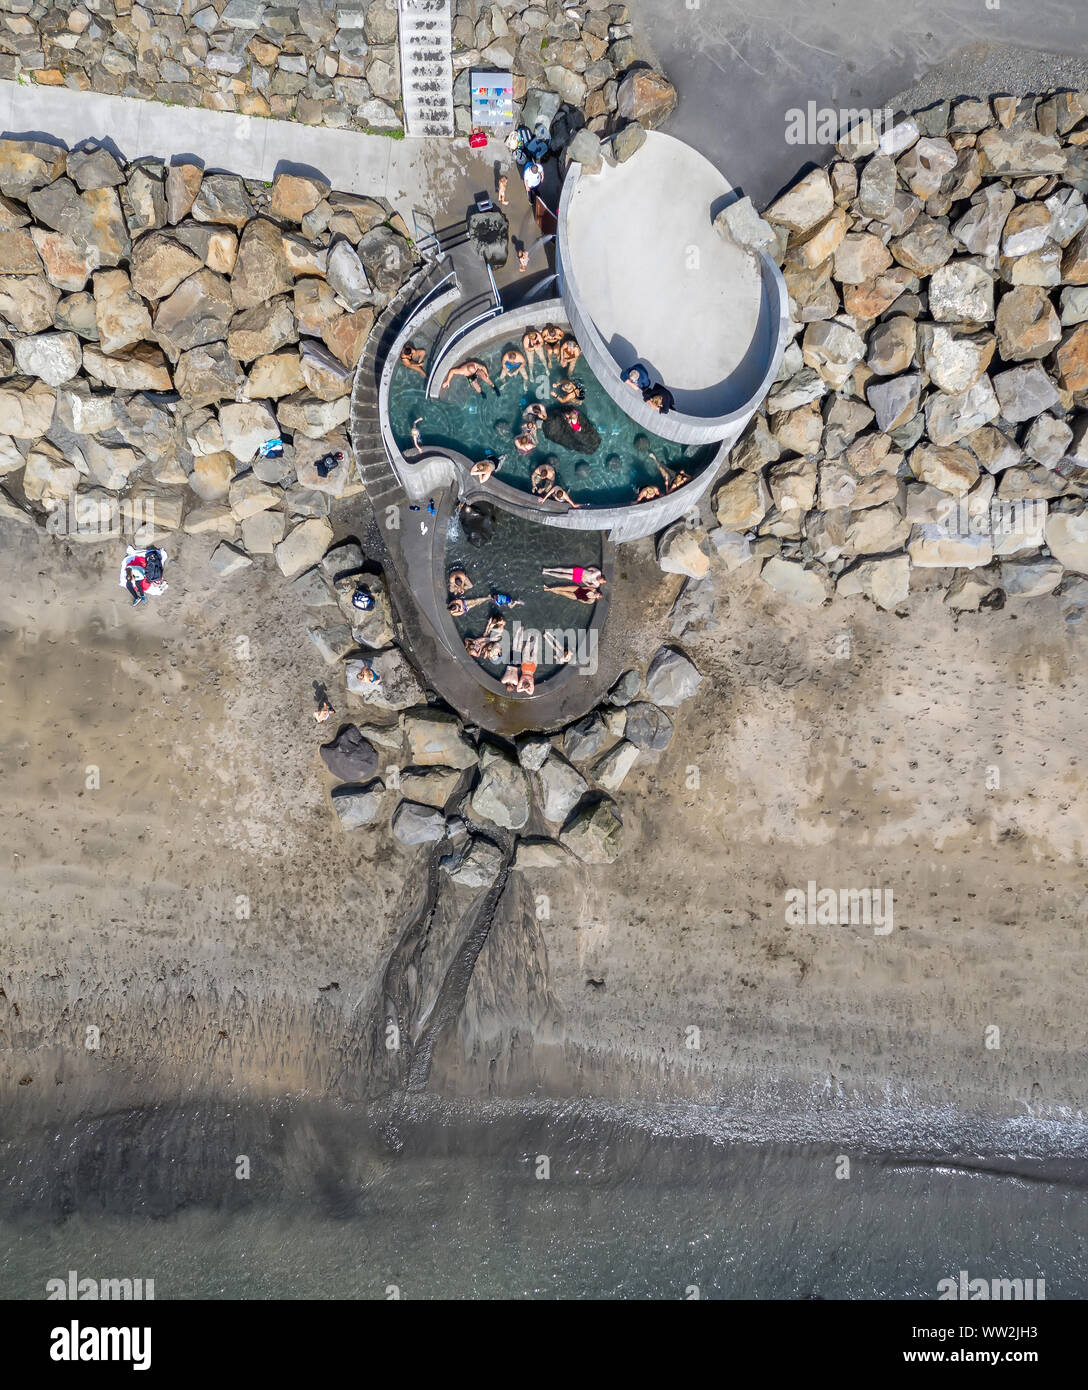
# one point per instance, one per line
(427, 174)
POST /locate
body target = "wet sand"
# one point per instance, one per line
(124, 906)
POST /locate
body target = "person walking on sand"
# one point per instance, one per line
(576, 574)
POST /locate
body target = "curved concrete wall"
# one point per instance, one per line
(768, 345)
(437, 468)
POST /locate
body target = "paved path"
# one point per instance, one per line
(740, 67)
(432, 175)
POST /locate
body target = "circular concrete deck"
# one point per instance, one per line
(661, 286)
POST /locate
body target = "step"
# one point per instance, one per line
(426, 51)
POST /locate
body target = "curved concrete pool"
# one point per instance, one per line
(483, 425)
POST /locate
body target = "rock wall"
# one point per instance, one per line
(932, 409)
(158, 325)
(318, 62)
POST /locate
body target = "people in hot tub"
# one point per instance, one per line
(553, 339)
(513, 364)
(569, 352)
(474, 373)
(413, 358)
(533, 343)
(568, 392)
(672, 480)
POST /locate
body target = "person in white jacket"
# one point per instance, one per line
(134, 574)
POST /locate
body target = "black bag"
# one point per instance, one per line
(153, 566)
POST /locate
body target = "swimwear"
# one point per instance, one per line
(501, 600)
(528, 668)
(577, 574)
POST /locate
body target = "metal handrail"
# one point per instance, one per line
(462, 332)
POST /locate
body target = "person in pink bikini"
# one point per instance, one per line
(577, 575)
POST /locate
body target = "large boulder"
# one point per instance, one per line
(307, 414)
(435, 739)
(206, 375)
(480, 864)
(501, 795)
(1024, 392)
(594, 834)
(121, 316)
(160, 263)
(397, 687)
(26, 407)
(92, 221)
(1067, 538)
(414, 824)
(672, 678)
(82, 412)
(356, 806)
(809, 202)
(647, 727)
(197, 313)
(349, 756)
(261, 270)
(27, 302)
(181, 186)
(303, 546)
(223, 198)
(961, 292)
(793, 581)
(141, 367)
(1027, 326)
(346, 275)
(262, 330)
(52, 357)
(742, 501)
(29, 164)
(49, 477)
(560, 788)
(245, 426)
(294, 195)
(387, 260)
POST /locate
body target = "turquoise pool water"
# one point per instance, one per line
(509, 562)
(482, 425)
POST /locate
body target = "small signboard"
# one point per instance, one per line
(492, 99)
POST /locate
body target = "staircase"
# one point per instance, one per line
(376, 473)
(426, 67)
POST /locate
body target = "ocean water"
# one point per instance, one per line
(555, 1201)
